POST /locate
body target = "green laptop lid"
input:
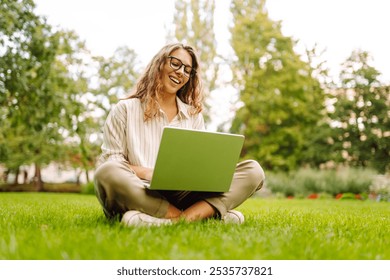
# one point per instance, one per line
(195, 160)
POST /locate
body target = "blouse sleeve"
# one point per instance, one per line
(114, 135)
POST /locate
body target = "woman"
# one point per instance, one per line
(168, 94)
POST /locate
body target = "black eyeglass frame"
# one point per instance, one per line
(192, 72)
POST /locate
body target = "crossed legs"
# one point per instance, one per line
(119, 190)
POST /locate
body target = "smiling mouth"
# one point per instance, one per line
(173, 79)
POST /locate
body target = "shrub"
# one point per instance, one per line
(347, 196)
(308, 181)
(280, 184)
(325, 195)
(88, 188)
(381, 186)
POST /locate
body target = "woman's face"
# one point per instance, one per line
(175, 73)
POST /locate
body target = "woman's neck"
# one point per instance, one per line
(168, 105)
(166, 100)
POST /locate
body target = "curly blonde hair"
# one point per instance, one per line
(149, 86)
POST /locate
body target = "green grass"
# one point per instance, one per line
(71, 226)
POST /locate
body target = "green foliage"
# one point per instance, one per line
(361, 115)
(283, 101)
(381, 187)
(116, 77)
(43, 81)
(30, 109)
(73, 227)
(348, 196)
(88, 188)
(307, 181)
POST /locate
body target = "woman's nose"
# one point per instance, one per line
(180, 70)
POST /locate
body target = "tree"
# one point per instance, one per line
(361, 115)
(282, 101)
(116, 77)
(29, 49)
(194, 25)
(39, 99)
(71, 77)
(317, 148)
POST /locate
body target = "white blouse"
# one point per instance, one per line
(127, 137)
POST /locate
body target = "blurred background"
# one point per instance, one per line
(306, 82)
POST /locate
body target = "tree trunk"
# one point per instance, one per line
(37, 180)
(78, 178)
(16, 176)
(87, 175)
(25, 177)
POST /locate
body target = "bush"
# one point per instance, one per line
(308, 181)
(348, 196)
(381, 187)
(325, 195)
(88, 188)
(280, 184)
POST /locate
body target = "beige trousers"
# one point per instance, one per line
(118, 190)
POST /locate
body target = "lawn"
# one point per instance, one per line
(50, 226)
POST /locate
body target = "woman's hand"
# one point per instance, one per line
(143, 172)
(147, 174)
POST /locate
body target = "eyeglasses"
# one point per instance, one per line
(176, 64)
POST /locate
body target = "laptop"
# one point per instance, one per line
(196, 160)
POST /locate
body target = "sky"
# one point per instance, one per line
(337, 26)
